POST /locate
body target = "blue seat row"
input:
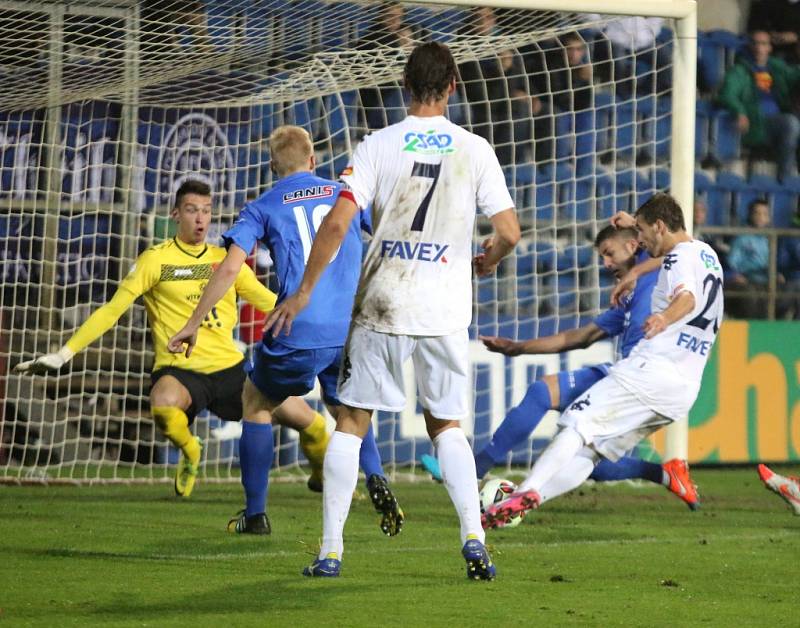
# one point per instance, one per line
(728, 197)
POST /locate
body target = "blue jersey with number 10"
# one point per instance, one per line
(286, 219)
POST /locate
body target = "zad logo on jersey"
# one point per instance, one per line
(422, 251)
(429, 143)
(709, 260)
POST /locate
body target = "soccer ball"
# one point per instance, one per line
(496, 491)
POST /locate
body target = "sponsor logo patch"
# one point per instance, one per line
(316, 191)
(422, 251)
(428, 143)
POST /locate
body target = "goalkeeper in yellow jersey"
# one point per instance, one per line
(171, 277)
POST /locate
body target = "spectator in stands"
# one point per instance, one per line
(563, 70)
(699, 222)
(758, 90)
(384, 105)
(628, 44)
(781, 19)
(789, 267)
(488, 87)
(748, 265)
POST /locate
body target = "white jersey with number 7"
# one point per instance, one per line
(424, 177)
(665, 371)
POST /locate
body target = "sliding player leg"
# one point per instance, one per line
(607, 418)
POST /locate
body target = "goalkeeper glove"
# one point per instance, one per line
(49, 363)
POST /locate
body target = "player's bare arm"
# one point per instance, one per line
(680, 306)
(579, 338)
(505, 238)
(221, 281)
(626, 285)
(329, 237)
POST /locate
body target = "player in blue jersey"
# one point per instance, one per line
(286, 219)
(619, 251)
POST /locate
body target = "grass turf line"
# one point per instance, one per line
(604, 555)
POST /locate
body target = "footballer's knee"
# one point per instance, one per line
(168, 392)
(437, 426)
(551, 381)
(353, 421)
(256, 408)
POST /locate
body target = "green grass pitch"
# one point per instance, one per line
(606, 555)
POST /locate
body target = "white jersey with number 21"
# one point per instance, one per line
(424, 177)
(665, 371)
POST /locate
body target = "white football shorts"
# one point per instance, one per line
(371, 376)
(611, 419)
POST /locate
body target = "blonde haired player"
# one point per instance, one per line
(171, 276)
(424, 177)
(284, 218)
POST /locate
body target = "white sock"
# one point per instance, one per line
(561, 450)
(340, 476)
(570, 476)
(458, 474)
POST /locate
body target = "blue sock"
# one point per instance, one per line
(515, 428)
(368, 458)
(627, 468)
(255, 459)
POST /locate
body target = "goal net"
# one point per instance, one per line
(108, 107)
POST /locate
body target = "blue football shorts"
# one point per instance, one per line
(279, 371)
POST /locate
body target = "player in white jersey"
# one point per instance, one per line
(424, 177)
(656, 384)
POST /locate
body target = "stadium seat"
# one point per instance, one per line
(564, 135)
(606, 197)
(784, 203)
(567, 295)
(660, 179)
(544, 201)
(584, 199)
(342, 115)
(545, 255)
(632, 190)
(626, 129)
(725, 139)
(702, 128)
(721, 198)
(716, 51)
(586, 142)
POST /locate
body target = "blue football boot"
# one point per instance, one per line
(479, 562)
(327, 567)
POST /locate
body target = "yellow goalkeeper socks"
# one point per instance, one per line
(175, 425)
(314, 441)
